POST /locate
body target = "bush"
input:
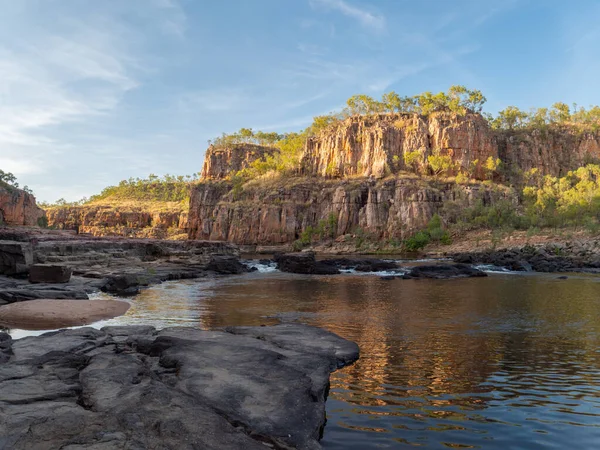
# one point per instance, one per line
(417, 241)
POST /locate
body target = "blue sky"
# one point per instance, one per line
(92, 92)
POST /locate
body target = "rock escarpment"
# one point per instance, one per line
(553, 151)
(367, 174)
(221, 162)
(136, 221)
(178, 388)
(377, 145)
(278, 212)
(18, 207)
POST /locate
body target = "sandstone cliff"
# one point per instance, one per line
(376, 145)
(221, 162)
(18, 207)
(145, 220)
(356, 171)
(278, 212)
(552, 151)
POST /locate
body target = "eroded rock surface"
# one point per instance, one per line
(179, 388)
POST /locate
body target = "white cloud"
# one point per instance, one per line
(366, 18)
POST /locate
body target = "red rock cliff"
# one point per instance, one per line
(356, 171)
(277, 213)
(220, 162)
(17, 207)
(376, 145)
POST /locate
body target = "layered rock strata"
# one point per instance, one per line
(178, 388)
(277, 213)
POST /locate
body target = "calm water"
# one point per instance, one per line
(509, 361)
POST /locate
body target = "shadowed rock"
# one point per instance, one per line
(49, 273)
(304, 263)
(443, 271)
(180, 388)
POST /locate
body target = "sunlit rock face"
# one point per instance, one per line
(18, 207)
(378, 145)
(221, 162)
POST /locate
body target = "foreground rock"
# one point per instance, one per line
(304, 263)
(179, 388)
(444, 271)
(52, 314)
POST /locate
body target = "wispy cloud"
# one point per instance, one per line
(368, 19)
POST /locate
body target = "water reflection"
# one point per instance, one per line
(503, 362)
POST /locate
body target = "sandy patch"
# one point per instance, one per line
(53, 314)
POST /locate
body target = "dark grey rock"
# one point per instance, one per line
(15, 257)
(124, 285)
(304, 263)
(362, 264)
(226, 264)
(443, 271)
(49, 273)
(180, 388)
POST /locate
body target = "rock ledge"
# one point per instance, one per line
(179, 388)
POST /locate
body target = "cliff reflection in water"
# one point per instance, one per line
(507, 361)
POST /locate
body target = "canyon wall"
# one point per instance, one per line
(376, 146)
(367, 172)
(150, 221)
(553, 151)
(18, 207)
(278, 212)
(221, 162)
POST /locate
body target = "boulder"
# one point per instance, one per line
(15, 257)
(49, 273)
(226, 264)
(444, 271)
(124, 285)
(304, 263)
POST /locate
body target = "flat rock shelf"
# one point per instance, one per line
(135, 387)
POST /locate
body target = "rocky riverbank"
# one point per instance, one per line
(116, 265)
(178, 388)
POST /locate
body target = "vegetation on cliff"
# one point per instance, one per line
(9, 181)
(458, 100)
(168, 188)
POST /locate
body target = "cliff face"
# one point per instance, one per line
(220, 162)
(277, 214)
(376, 145)
(552, 151)
(130, 221)
(17, 207)
(359, 172)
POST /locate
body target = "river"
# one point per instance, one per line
(507, 361)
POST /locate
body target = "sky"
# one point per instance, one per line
(93, 92)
